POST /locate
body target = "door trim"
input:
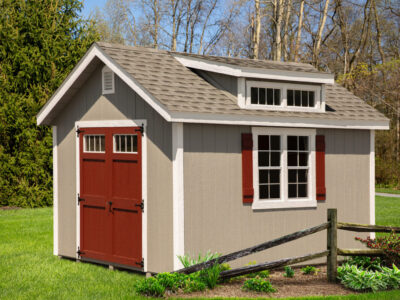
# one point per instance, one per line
(116, 123)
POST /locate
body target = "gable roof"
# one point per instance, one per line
(181, 95)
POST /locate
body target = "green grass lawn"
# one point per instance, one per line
(387, 190)
(29, 270)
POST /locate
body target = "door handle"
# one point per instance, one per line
(109, 207)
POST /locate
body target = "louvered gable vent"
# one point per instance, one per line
(107, 81)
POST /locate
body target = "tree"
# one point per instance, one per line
(40, 42)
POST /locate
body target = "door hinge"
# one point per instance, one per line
(78, 131)
(79, 252)
(141, 205)
(141, 129)
(79, 199)
(140, 263)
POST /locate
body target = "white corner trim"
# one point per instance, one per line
(372, 181)
(95, 51)
(236, 71)
(257, 120)
(117, 123)
(55, 191)
(241, 90)
(178, 194)
(284, 202)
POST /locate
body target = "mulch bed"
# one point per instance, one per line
(299, 285)
(9, 207)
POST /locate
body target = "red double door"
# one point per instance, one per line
(111, 195)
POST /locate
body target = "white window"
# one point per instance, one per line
(93, 143)
(283, 96)
(108, 83)
(283, 168)
(125, 143)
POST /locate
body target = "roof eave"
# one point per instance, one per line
(261, 73)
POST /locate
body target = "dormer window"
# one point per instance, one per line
(283, 96)
(108, 81)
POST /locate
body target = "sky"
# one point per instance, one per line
(90, 5)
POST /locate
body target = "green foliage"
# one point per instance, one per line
(149, 287)
(358, 279)
(188, 261)
(259, 285)
(192, 284)
(390, 244)
(310, 270)
(40, 42)
(365, 262)
(289, 272)
(210, 275)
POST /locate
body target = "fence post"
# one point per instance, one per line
(332, 245)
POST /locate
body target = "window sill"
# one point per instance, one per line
(315, 109)
(279, 204)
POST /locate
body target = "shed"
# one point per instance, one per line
(158, 154)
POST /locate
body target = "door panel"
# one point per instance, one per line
(111, 189)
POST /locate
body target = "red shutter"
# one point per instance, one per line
(247, 168)
(320, 167)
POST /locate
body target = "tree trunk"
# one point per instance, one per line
(378, 32)
(205, 25)
(278, 24)
(298, 38)
(285, 44)
(318, 38)
(256, 40)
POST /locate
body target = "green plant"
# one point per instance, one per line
(258, 285)
(359, 279)
(149, 287)
(289, 272)
(188, 261)
(310, 270)
(192, 284)
(390, 244)
(171, 281)
(366, 262)
(210, 275)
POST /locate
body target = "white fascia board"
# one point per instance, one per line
(277, 121)
(217, 67)
(93, 52)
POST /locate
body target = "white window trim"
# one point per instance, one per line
(318, 90)
(115, 145)
(106, 69)
(84, 144)
(284, 202)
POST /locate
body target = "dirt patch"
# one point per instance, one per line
(299, 285)
(9, 207)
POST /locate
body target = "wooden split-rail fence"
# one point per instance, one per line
(331, 253)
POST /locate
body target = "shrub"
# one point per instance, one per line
(390, 244)
(210, 275)
(258, 285)
(289, 272)
(310, 270)
(149, 287)
(365, 262)
(171, 281)
(192, 284)
(359, 279)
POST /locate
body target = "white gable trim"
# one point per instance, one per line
(93, 52)
(236, 71)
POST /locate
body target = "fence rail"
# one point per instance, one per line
(332, 252)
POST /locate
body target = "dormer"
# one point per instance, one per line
(268, 85)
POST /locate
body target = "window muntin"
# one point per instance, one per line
(297, 164)
(125, 143)
(284, 96)
(265, 96)
(94, 143)
(269, 166)
(293, 172)
(300, 98)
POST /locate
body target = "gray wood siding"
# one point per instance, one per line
(226, 82)
(89, 104)
(217, 220)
